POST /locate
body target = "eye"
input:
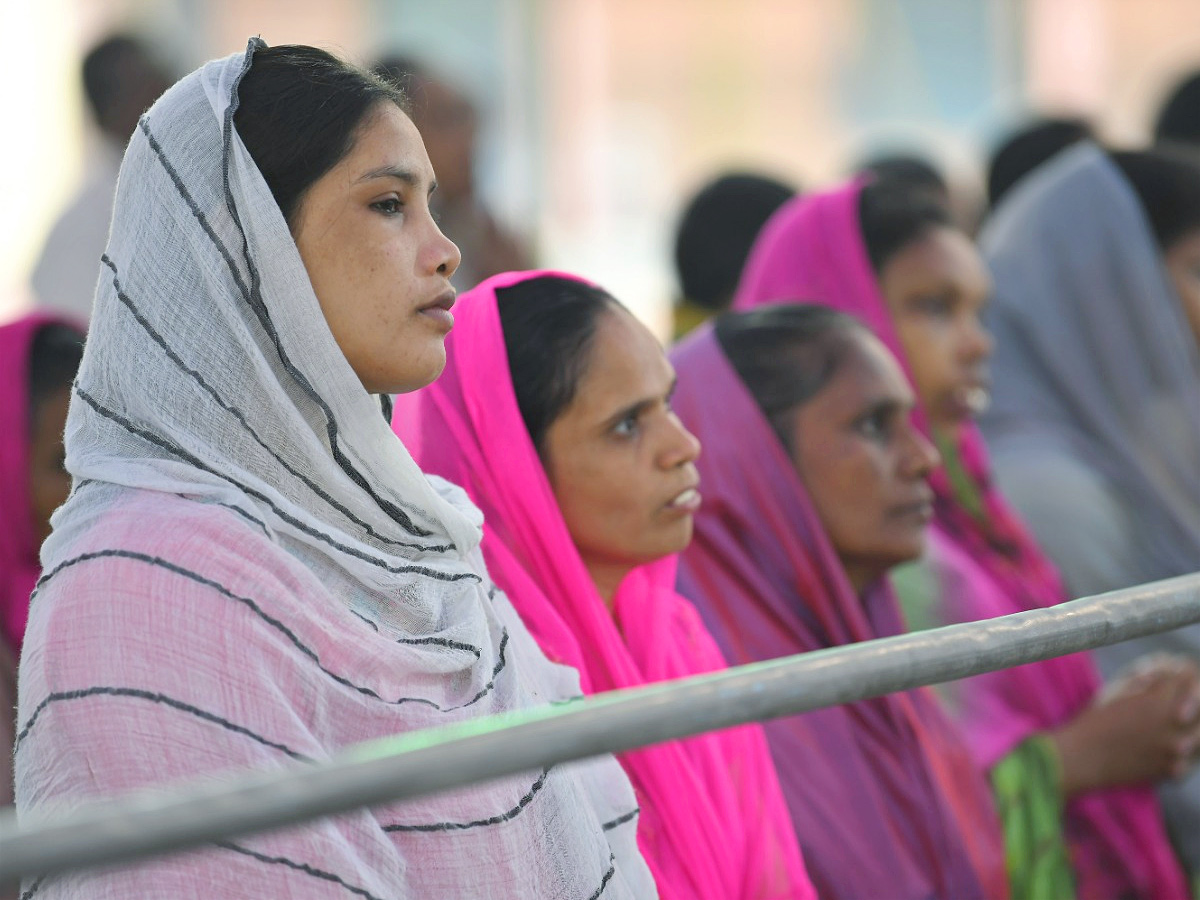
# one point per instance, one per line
(389, 207)
(874, 425)
(939, 307)
(627, 427)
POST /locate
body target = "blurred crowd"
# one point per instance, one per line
(898, 418)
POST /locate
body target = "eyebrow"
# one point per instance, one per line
(888, 406)
(636, 409)
(408, 176)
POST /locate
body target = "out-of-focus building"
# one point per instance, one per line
(598, 116)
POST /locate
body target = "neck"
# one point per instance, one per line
(862, 575)
(607, 578)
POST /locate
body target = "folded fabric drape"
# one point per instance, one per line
(251, 571)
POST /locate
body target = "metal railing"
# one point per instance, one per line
(420, 763)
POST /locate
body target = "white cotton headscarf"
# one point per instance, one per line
(210, 375)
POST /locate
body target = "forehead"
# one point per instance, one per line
(867, 374)
(387, 139)
(625, 364)
(941, 255)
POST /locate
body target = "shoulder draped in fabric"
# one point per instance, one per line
(252, 572)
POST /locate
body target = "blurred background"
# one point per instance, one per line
(594, 120)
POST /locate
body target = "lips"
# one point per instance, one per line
(443, 301)
(974, 398)
(687, 500)
(920, 507)
(439, 309)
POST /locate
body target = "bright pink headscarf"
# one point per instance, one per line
(812, 249)
(713, 822)
(19, 566)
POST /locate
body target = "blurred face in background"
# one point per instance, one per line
(865, 465)
(936, 287)
(49, 483)
(621, 464)
(1183, 266)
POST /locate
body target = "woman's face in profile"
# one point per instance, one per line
(936, 288)
(865, 465)
(378, 263)
(621, 464)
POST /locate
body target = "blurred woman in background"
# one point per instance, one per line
(1095, 422)
(815, 486)
(1071, 768)
(39, 355)
(554, 414)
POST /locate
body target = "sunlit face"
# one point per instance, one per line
(865, 466)
(936, 288)
(620, 462)
(49, 482)
(1183, 265)
(378, 263)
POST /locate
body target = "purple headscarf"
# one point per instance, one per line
(885, 799)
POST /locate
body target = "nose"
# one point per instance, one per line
(920, 457)
(977, 341)
(680, 446)
(442, 253)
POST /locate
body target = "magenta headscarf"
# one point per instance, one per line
(885, 799)
(813, 249)
(713, 822)
(19, 566)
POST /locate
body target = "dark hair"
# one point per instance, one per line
(717, 230)
(893, 214)
(907, 168)
(54, 357)
(120, 80)
(299, 111)
(1167, 185)
(405, 72)
(1029, 147)
(548, 324)
(785, 354)
(1179, 118)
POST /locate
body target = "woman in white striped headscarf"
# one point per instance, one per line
(251, 571)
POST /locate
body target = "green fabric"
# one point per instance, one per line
(966, 492)
(917, 591)
(1027, 783)
(1027, 786)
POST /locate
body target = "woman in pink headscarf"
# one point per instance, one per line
(815, 486)
(38, 358)
(1071, 769)
(554, 414)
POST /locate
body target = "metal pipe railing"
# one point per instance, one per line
(420, 763)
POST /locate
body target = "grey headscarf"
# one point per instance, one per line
(1096, 408)
(1094, 428)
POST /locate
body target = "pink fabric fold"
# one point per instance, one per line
(885, 798)
(713, 823)
(813, 250)
(19, 565)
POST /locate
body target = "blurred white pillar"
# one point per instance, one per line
(1069, 55)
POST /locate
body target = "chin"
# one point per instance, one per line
(423, 375)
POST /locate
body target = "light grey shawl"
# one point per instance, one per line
(253, 571)
(1094, 428)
